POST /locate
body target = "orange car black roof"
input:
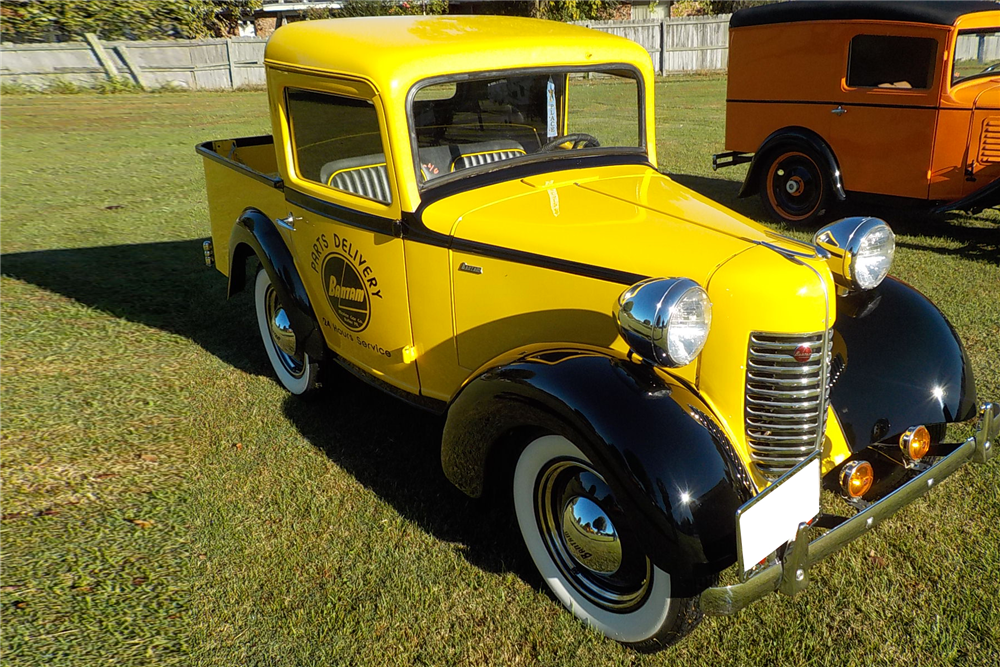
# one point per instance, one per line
(938, 13)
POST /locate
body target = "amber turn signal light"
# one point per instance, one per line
(915, 443)
(856, 478)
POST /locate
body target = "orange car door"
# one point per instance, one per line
(883, 131)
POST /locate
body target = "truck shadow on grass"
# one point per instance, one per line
(162, 285)
(390, 447)
(978, 235)
(394, 450)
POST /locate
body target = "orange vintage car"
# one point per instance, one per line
(828, 100)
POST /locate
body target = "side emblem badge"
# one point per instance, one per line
(347, 292)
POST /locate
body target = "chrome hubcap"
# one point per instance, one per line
(582, 526)
(591, 537)
(281, 332)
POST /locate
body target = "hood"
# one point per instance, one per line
(982, 92)
(627, 218)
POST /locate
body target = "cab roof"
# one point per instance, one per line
(935, 13)
(396, 51)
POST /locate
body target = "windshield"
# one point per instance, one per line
(977, 53)
(472, 124)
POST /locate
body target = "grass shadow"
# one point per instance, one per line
(162, 285)
(394, 450)
(390, 447)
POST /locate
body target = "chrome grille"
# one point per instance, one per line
(785, 399)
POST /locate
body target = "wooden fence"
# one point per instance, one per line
(676, 45)
(207, 63)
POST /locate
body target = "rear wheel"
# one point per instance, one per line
(794, 186)
(297, 372)
(579, 539)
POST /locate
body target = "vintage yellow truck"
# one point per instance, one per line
(467, 212)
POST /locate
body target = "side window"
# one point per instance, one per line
(883, 61)
(336, 142)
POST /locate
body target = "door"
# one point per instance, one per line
(883, 131)
(343, 225)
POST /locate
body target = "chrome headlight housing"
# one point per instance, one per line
(858, 250)
(665, 320)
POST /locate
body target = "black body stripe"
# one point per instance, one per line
(411, 227)
(347, 216)
(844, 104)
(546, 262)
(865, 104)
(414, 230)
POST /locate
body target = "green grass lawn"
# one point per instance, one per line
(165, 502)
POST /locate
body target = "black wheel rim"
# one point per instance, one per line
(795, 186)
(568, 482)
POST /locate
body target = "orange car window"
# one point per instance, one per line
(977, 53)
(884, 61)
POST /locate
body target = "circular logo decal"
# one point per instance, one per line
(347, 292)
(802, 353)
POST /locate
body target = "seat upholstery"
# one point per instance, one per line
(365, 176)
(483, 157)
(440, 160)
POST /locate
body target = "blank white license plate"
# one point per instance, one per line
(773, 516)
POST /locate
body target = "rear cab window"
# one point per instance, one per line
(336, 142)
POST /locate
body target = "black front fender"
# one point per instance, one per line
(905, 365)
(658, 445)
(255, 232)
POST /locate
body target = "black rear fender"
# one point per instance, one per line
(255, 233)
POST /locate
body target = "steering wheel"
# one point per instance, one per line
(578, 139)
(991, 68)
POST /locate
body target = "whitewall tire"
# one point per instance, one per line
(297, 373)
(578, 538)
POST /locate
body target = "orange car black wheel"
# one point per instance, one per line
(794, 187)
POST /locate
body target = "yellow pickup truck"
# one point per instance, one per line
(467, 212)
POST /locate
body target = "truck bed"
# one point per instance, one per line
(239, 172)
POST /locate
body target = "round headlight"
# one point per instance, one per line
(665, 321)
(871, 258)
(859, 251)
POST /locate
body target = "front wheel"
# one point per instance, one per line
(794, 187)
(297, 373)
(582, 545)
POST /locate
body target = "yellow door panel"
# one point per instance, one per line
(356, 280)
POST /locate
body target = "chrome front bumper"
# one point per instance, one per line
(791, 574)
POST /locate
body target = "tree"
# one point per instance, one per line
(64, 20)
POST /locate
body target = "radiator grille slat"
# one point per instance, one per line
(785, 399)
(989, 143)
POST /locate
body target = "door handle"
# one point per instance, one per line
(839, 111)
(288, 223)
